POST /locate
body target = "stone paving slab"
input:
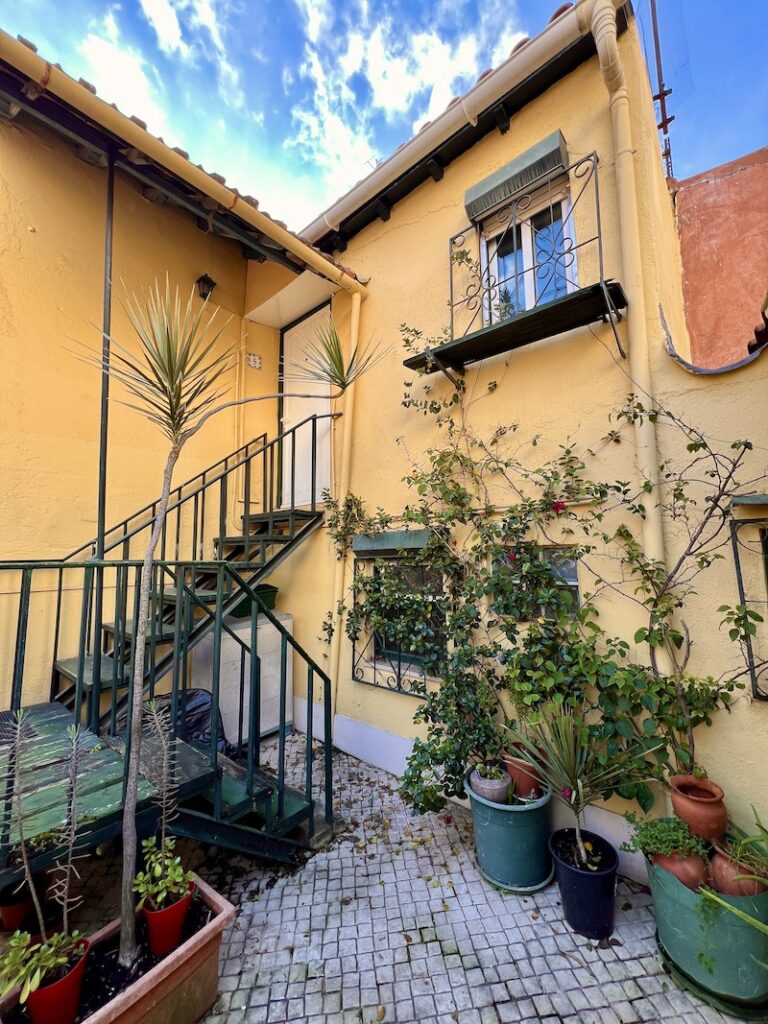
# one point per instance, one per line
(393, 923)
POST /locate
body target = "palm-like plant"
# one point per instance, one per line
(575, 764)
(176, 382)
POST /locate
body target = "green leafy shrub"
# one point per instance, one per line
(667, 837)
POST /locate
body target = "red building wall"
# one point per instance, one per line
(722, 218)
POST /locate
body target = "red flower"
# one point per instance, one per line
(511, 556)
(558, 507)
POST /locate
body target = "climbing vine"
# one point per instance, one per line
(504, 634)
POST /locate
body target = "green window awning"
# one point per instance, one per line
(389, 543)
(545, 157)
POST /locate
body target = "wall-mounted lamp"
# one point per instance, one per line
(205, 286)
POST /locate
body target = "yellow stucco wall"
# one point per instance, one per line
(51, 275)
(562, 387)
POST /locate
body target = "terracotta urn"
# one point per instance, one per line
(699, 802)
(495, 790)
(692, 871)
(524, 776)
(725, 875)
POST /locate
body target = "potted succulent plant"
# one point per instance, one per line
(671, 845)
(165, 890)
(510, 831)
(164, 887)
(580, 769)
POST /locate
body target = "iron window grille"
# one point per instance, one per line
(540, 245)
(749, 549)
(379, 657)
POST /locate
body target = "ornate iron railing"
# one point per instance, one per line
(32, 598)
(543, 244)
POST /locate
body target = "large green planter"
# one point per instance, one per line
(710, 950)
(511, 842)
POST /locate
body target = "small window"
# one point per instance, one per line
(553, 570)
(528, 254)
(401, 642)
(564, 566)
(423, 581)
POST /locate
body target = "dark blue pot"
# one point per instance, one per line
(588, 897)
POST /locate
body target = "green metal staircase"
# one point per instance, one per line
(227, 529)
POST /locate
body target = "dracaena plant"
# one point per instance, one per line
(576, 765)
(177, 381)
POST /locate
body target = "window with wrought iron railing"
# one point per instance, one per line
(402, 636)
(528, 251)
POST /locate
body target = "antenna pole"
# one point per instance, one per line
(661, 94)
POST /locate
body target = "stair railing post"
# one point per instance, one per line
(247, 508)
(314, 463)
(222, 515)
(328, 749)
(216, 666)
(56, 634)
(254, 701)
(177, 641)
(281, 734)
(21, 640)
(83, 642)
(310, 730)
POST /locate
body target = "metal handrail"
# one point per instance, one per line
(274, 443)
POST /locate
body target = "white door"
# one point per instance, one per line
(296, 464)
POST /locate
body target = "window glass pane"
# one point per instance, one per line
(511, 284)
(423, 581)
(565, 569)
(549, 253)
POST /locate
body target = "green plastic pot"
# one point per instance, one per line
(265, 591)
(511, 842)
(714, 952)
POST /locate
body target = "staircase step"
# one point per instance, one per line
(282, 515)
(264, 799)
(68, 667)
(162, 630)
(254, 540)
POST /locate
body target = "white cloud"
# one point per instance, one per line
(162, 16)
(317, 17)
(122, 76)
(330, 133)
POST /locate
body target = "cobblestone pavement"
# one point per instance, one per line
(393, 923)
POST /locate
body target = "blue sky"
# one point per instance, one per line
(295, 100)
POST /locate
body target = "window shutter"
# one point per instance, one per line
(546, 156)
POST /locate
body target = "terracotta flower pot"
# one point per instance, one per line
(166, 925)
(725, 872)
(525, 777)
(692, 871)
(60, 1001)
(495, 790)
(699, 802)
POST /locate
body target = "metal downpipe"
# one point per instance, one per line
(346, 467)
(605, 32)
